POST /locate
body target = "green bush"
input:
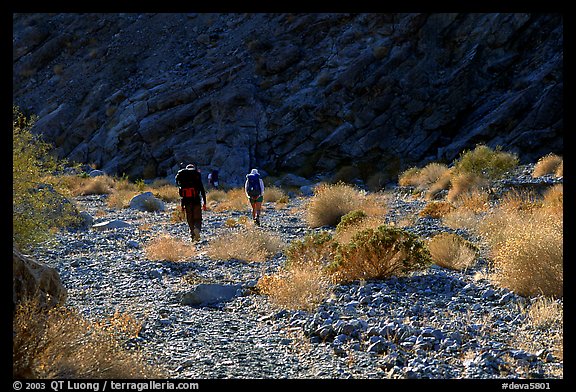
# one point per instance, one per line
(485, 162)
(316, 248)
(38, 204)
(380, 253)
(349, 219)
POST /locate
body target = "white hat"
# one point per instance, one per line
(254, 171)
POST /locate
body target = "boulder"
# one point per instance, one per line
(210, 294)
(33, 280)
(147, 202)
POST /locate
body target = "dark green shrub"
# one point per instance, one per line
(349, 219)
(316, 248)
(485, 162)
(380, 253)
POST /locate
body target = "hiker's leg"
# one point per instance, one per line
(190, 218)
(253, 205)
(197, 214)
(257, 207)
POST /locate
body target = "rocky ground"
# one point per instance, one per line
(439, 324)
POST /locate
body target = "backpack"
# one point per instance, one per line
(188, 183)
(253, 188)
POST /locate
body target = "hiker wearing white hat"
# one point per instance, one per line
(254, 188)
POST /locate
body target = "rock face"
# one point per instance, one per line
(33, 280)
(137, 94)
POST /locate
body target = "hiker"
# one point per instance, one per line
(190, 189)
(213, 178)
(254, 188)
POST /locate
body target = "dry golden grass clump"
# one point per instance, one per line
(475, 200)
(520, 200)
(274, 194)
(234, 200)
(451, 251)
(60, 343)
(164, 247)
(303, 286)
(436, 209)
(548, 164)
(465, 182)
(545, 313)
(553, 199)
(332, 201)
(120, 198)
(166, 192)
(99, 185)
(527, 249)
(432, 178)
(559, 170)
(544, 316)
(249, 244)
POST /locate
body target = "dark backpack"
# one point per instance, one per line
(253, 188)
(188, 183)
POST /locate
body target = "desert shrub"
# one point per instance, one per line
(166, 192)
(520, 200)
(380, 253)
(274, 194)
(60, 343)
(304, 280)
(545, 313)
(436, 209)
(409, 177)
(475, 200)
(351, 218)
(451, 251)
(430, 174)
(120, 198)
(442, 183)
(234, 222)
(234, 200)
(249, 244)
(99, 185)
(465, 182)
(553, 199)
(432, 178)
(462, 218)
(548, 164)
(527, 250)
(302, 286)
(331, 202)
(38, 202)
(345, 233)
(559, 170)
(315, 248)
(164, 247)
(485, 162)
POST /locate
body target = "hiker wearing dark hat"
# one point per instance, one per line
(254, 188)
(191, 188)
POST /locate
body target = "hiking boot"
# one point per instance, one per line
(196, 235)
(257, 221)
